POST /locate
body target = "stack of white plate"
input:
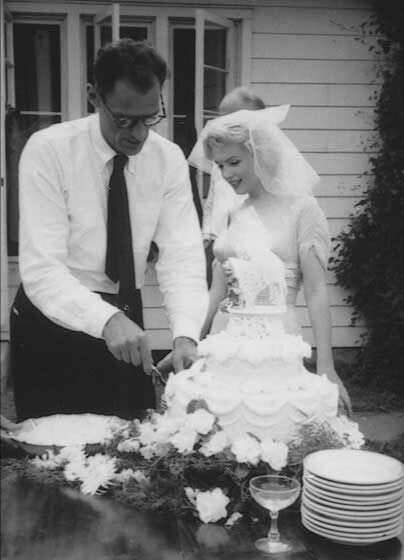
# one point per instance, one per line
(353, 496)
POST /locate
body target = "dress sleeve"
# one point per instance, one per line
(312, 231)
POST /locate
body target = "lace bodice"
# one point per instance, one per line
(294, 226)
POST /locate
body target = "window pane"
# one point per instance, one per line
(184, 71)
(18, 129)
(37, 67)
(215, 47)
(184, 88)
(214, 88)
(184, 133)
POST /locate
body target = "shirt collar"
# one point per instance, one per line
(103, 149)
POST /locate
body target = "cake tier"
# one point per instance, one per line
(255, 405)
(256, 323)
(229, 349)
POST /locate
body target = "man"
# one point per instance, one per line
(94, 194)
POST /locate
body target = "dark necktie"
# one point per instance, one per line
(119, 264)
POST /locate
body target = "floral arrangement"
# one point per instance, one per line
(187, 464)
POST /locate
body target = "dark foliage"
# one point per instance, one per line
(369, 257)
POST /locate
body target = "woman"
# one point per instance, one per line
(280, 214)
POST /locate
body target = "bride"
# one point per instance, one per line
(279, 214)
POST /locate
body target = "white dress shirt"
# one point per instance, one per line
(64, 176)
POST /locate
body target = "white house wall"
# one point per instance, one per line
(311, 55)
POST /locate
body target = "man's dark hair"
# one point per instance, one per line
(135, 61)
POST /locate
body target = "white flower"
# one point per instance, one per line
(201, 421)
(166, 427)
(98, 474)
(147, 433)
(211, 505)
(72, 453)
(47, 461)
(76, 468)
(275, 453)
(51, 460)
(233, 518)
(247, 450)
(125, 433)
(216, 444)
(184, 440)
(348, 431)
(129, 445)
(148, 451)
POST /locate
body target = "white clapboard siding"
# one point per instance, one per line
(314, 57)
(299, 19)
(329, 118)
(318, 95)
(319, 4)
(341, 185)
(336, 163)
(337, 47)
(337, 141)
(337, 207)
(312, 72)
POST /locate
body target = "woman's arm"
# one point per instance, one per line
(316, 294)
(217, 293)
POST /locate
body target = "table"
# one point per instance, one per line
(43, 522)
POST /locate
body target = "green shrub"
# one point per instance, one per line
(369, 256)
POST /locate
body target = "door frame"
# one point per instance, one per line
(73, 15)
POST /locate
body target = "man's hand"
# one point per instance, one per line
(184, 353)
(165, 366)
(128, 342)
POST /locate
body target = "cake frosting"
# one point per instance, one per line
(251, 375)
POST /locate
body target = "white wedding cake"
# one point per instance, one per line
(251, 374)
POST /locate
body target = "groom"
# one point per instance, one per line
(95, 193)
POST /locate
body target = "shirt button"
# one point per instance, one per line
(126, 307)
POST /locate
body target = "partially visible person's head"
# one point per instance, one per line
(240, 98)
(137, 63)
(128, 79)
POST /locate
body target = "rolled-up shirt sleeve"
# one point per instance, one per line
(44, 235)
(181, 267)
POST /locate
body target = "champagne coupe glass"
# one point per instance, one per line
(274, 492)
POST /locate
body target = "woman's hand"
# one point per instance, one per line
(184, 353)
(344, 398)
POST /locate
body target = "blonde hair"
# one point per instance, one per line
(221, 133)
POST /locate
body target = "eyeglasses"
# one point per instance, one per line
(124, 121)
